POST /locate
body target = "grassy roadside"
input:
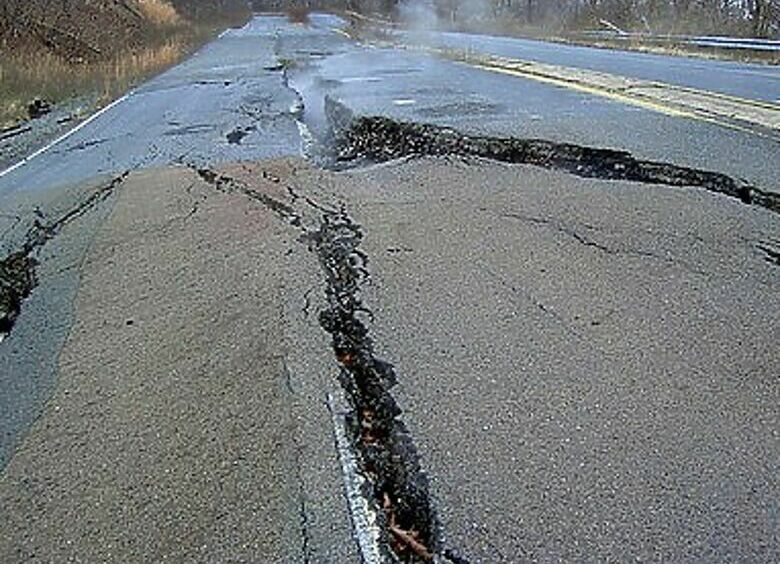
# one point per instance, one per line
(35, 74)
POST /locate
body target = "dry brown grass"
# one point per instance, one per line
(160, 12)
(299, 14)
(26, 76)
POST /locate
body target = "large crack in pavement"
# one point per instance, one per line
(393, 482)
(351, 139)
(397, 487)
(18, 270)
(387, 453)
(380, 139)
(17, 281)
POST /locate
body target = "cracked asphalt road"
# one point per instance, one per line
(600, 382)
(751, 81)
(175, 434)
(587, 368)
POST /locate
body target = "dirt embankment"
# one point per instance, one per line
(85, 30)
(57, 50)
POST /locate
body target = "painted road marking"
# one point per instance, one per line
(756, 117)
(341, 32)
(364, 519)
(64, 136)
(585, 89)
(644, 103)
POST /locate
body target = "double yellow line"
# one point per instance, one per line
(578, 86)
(756, 117)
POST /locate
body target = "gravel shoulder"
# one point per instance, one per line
(22, 140)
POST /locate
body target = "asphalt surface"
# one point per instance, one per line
(232, 102)
(589, 375)
(587, 368)
(419, 88)
(751, 81)
(29, 356)
(185, 424)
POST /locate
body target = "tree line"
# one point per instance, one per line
(757, 18)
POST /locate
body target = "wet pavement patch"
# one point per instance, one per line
(380, 139)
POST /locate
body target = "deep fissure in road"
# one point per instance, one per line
(387, 453)
(17, 281)
(383, 445)
(380, 139)
(18, 270)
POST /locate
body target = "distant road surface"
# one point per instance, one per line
(753, 81)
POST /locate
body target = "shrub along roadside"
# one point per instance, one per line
(33, 65)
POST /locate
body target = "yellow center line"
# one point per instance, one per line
(621, 92)
(594, 90)
(618, 97)
(763, 104)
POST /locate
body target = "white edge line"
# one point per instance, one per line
(64, 136)
(307, 139)
(363, 517)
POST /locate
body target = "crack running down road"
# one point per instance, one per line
(381, 139)
(573, 337)
(385, 449)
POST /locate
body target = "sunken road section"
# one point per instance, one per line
(17, 270)
(383, 139)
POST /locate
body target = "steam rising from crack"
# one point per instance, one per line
(423, 16)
